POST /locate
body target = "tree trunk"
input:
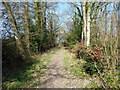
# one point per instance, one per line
(27, 29)
(45, 15)
(36, 13)
(118, 34)
(15, 30)
(84, 21)
(42, 14)
(88, 25)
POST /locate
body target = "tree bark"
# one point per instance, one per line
(36, 12)
(84, 21)
(118, 34)
(27, 28)
(45, 15)
(15, 30)
(42, 14)
(88, 25)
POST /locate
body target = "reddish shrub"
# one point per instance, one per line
(96, 54)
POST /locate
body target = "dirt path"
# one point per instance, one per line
(56, 77)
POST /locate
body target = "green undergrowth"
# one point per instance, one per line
(93, 85)
(28, 75)
(76, 67)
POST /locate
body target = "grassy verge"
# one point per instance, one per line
(76, 67)
(28, 75)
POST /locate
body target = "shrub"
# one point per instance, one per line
(90, 55)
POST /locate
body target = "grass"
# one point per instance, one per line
(75, 66)
(93, 85)
(28, 75)
(53, 52)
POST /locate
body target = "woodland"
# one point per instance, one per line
(33, 32)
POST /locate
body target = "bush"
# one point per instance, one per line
(90, 55)
(95, 63)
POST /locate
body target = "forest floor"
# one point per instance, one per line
(58, 76)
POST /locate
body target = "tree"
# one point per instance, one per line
(26, 14)
(15, 28)
(84, 21)
(88, 24)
